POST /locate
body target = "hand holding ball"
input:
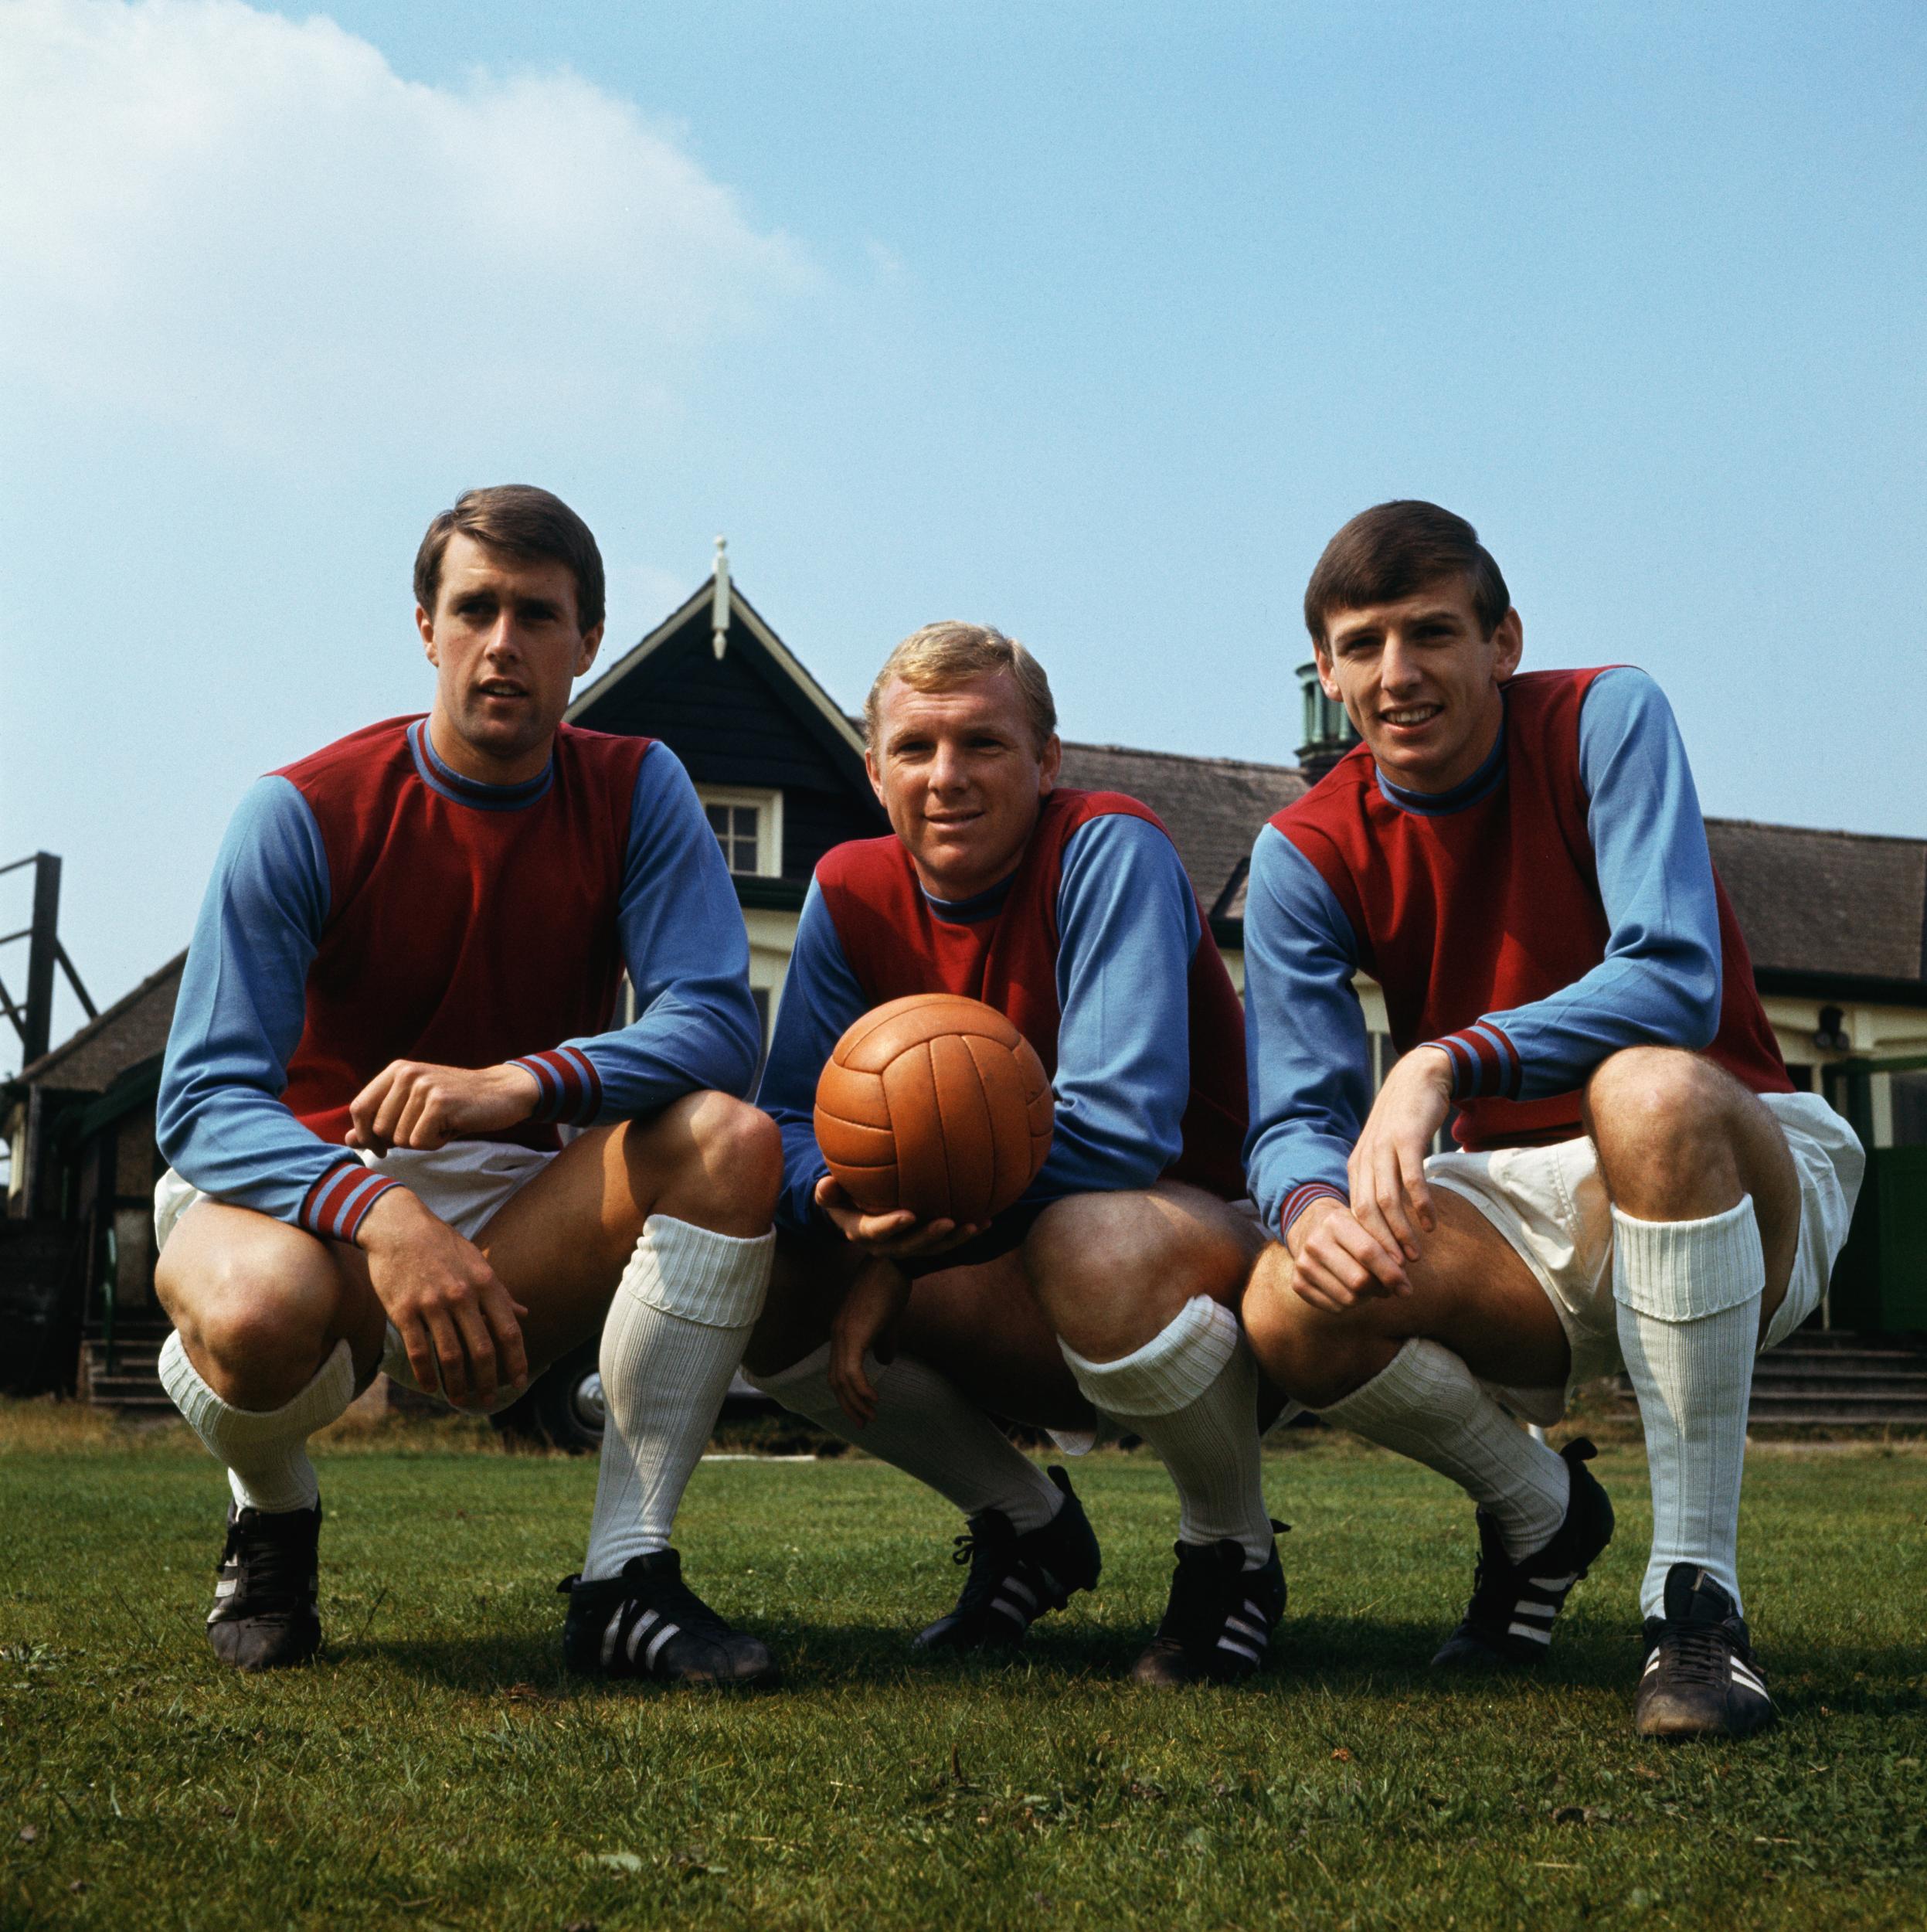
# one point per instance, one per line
(936, 1103)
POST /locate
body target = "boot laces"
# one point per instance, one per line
(1204, 1593)
(1697, 1653)
(273, 1565)
(988, 1547)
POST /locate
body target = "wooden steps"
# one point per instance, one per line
(126, 1376)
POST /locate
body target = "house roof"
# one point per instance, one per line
(1837, 904)
(132, 1029)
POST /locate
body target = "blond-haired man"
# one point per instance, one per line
(1070, 912)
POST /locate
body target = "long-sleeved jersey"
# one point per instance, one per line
(1096, 950)
(372, 904)
(1559, 905)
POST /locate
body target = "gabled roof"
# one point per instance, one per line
(131, 1030)
(813, 707)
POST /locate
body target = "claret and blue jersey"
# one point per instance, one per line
(1558, 906)
(370, 904)
(1096, 949)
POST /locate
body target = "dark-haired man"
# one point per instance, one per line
(400, 988)
(1519, 861)
(1070, 912)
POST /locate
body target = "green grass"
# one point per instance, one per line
(438, 1769)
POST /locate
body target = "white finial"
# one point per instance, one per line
(719, 607)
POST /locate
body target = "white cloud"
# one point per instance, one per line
(217, 216)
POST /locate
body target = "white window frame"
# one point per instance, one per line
(769, 809)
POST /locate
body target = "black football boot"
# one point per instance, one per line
(647, 1622)
(1701, 1678)
(266, 1616)
(1014, 1579)
(1218, 1624)
(1509, 1620)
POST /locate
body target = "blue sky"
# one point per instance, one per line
(1093, 322)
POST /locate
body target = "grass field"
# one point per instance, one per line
(438, 1769)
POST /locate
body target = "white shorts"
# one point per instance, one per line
(465, 1182)
(1551, 1204)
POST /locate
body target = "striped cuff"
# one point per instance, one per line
(337, 1203)
(1301, 1197)
(1485, 1064)
(570, 1089)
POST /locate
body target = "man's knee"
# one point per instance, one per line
(238, 1316)
(726, 1161)
(1662, 1121)
(1111, 1269)
(1317, 1357)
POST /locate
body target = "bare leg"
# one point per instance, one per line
(1470, 1293)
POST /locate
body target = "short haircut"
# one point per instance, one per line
(941, 655)
(1394, 550)
(523, 522)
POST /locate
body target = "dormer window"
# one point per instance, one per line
(749, 827)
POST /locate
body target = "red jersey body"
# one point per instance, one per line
(463, 929)
(1495, 905)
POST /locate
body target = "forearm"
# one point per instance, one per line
(241, 1146)
(699, 1034)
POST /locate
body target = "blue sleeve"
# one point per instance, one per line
(1128, 926)
(1308, 1053)
(687, 957)
(821, 1000)
(220, 1117)
(1659, 984)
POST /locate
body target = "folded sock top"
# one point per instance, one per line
(1685, 1271)
(1170, 1371)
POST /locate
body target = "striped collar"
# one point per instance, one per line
(447, 782)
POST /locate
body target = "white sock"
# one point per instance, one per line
(1425, 1403)
(675, 1331)
(1192, 1392)
(1688, 1294)
(265, 1450)
(925, 1426)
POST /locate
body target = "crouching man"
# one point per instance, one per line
(1520, 861)
(400, 987)
(1070, 913)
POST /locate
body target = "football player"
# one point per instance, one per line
(1069, 912)
(1518, 859)
(400, 990)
